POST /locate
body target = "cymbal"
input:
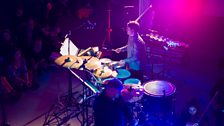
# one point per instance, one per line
(105, 60)
(92, 62)
(103, 72)
(69, 61)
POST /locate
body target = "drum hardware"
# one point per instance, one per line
(116, 65)
(92, 63)
(158, 103)
(66, 61)
(69, 61)
(159, 88)
(74, 62)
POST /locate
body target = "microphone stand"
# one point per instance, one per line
(107, 38)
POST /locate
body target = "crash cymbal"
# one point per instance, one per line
(105, 60)
(69, 61)
(92, 63)
(103, 72)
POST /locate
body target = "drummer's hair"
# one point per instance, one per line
(114, 83)
(133, 25)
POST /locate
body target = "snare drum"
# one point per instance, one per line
(132, 90)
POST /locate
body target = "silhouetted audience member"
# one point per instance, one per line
(30, 30)
(50, 14)
(37, 56)
(37, 60)
(6, 89)
(18, 21)
(7, 45)
(192, 115)
(17, 72)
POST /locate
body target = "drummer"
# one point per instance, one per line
(136, 54)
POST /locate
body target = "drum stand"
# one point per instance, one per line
(64, 109)
(68, 107)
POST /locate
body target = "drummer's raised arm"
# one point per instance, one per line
(121, 49)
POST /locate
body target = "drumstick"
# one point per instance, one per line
(140, 16)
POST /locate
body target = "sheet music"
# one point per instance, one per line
(64, 48)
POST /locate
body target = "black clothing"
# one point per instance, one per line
(108, 112)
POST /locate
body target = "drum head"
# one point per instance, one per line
(159, 88)
(123, 73)
(132, 81)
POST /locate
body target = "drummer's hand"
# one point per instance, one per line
(118, 50)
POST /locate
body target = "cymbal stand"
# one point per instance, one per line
(87, 94)
(66, 106)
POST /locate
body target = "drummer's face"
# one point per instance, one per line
(129, 31)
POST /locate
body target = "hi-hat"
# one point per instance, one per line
(69, 61)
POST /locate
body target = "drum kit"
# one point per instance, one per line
(134, 91)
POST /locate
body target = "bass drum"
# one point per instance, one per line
(158, 102)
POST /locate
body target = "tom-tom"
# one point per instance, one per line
(123, 74)
(132, 90)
